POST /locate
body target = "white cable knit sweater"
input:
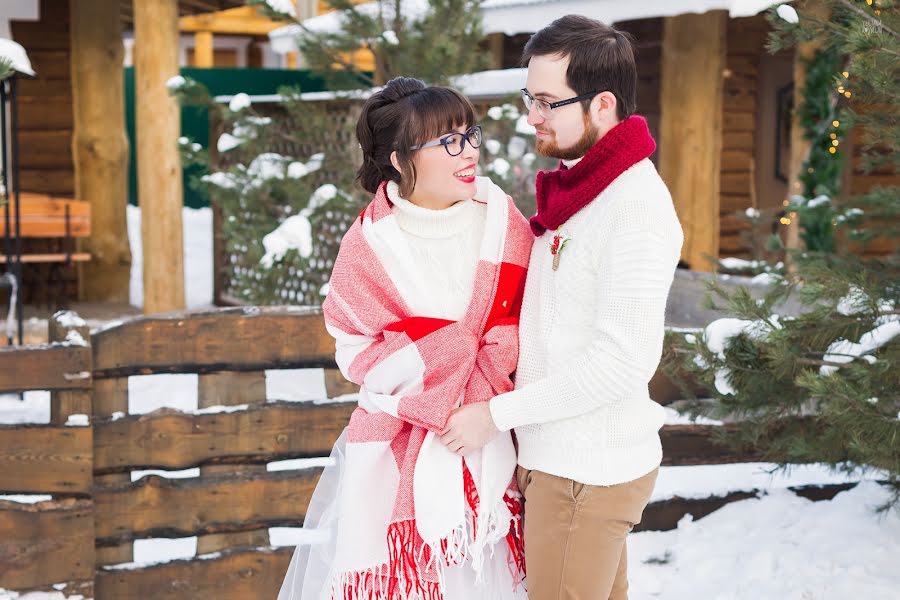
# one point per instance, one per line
(443, 245)
(591, 337)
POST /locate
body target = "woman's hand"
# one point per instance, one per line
(469, 428)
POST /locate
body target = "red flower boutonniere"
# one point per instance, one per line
(557, 246)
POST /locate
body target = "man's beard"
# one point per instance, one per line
(550, 148)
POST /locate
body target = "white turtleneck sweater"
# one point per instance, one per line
(444, 245)
(591, 337)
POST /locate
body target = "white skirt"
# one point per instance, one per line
(310, 575)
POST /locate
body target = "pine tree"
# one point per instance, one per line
(821, 386)
(433, 40)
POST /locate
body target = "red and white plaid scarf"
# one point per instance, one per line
(409, 506)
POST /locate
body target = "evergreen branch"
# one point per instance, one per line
(336, 56)
(867, 17)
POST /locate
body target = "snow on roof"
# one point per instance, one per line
(484, 84)
(527, 16)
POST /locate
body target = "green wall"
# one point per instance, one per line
(195, 121)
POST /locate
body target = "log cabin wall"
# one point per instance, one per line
(648, 37)
(745, 41)
(45, 103)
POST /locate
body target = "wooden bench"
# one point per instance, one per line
(47, 217)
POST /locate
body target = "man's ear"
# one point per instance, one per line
(396, 161)
(605, 106)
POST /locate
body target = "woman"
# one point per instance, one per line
(423, 304)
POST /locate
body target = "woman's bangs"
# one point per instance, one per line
(438, 112)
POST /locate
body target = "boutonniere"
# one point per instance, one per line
(557, 246)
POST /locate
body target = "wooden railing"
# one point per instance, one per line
(84, 535)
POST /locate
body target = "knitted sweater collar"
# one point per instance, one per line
(565, 191)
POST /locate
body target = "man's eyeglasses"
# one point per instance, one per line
(543, 107)
(455, 143)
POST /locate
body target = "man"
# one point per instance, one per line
(606, 248)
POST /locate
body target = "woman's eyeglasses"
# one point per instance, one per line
(543, 107)
(455, 143)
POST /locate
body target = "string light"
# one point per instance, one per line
(834, 136)
(847, 94)
(835, 123)
(845, 74)
(835, 143)
(785, 221)
(840, 89)
(785, 203)
(832, 150)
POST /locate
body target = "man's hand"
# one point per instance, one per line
(469, 428)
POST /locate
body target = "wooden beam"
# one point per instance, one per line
(258, 338)
(45, 459)
(100, 146)
(203, 50)
(693, 60)
(244, 20)
(172, 440)
(45, 543)
(44, 367)
(160, 191)
(233, 575)
(159, 507)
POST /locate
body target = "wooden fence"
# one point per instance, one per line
(84, 536)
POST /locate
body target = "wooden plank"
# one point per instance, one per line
(100, 146)
(53, 113)
(45, 543)
(114, 555)
(47, 149)
(735, 183)
(49, 258)
(41, 35)
(731, 203)
(694, 445)
(738, 140)
(45, 367)
(171, 440)
(736, 160)
(158, 161)
(691, 128)
(233, 339)
(236, 574)
(159, 507)
(40, 459)
(50, 64)
(59, 180)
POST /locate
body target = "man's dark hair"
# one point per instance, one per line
(601, 58)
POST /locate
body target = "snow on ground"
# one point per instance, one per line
(198, 257)
(778, 547)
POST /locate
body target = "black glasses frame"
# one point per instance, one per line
(530, 100)
(445, 141)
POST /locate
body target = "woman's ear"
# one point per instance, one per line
(396, 161)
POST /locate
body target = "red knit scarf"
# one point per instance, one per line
(563, 192)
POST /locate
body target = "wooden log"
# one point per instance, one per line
(63, 326)
(54, 180)
(159, 507)
(736, 160)
(172, 440)
(237, 339)
(738, 140)
(45, 367)
(114, 555)
(735, 183)
(42, 460)
(231, 389)
(236, 574)
(46, 149)
(45, 543)
(159, 164)
(691, 128)
(100, 146)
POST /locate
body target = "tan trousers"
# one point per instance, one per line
(575, 535)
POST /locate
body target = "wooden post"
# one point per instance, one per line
(203, 50)
(291, 60)
(100, 146)
(159, 165)
(230, 389)
(495, 43)
(690, 154)
(66, 326)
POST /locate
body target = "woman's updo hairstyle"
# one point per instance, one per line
(401, 115)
